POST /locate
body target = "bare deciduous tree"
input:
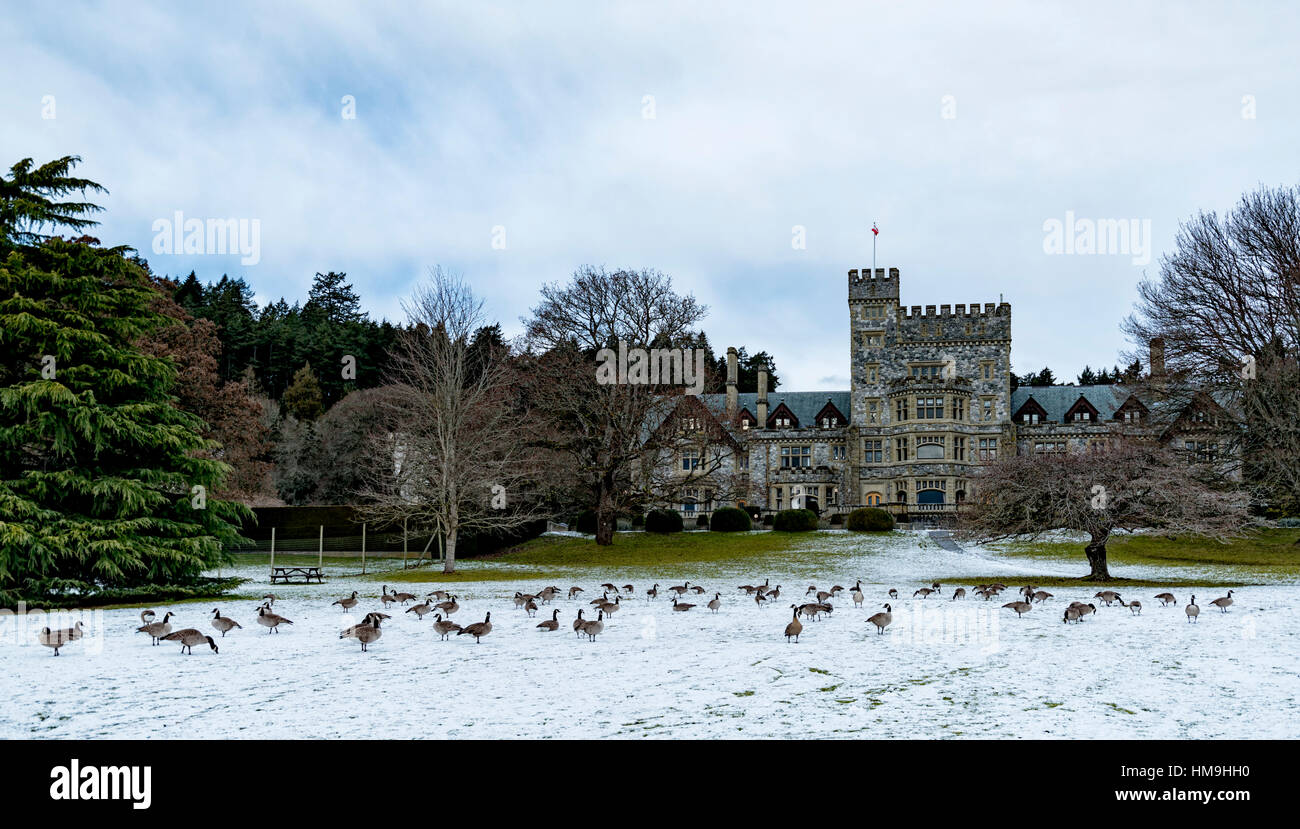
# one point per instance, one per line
(462, 460)
(1130, 487)
(1227, 304)
(601, 430)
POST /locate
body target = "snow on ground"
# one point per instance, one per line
(944, 669)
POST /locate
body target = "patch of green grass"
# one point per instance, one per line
(648, 549)
(1271, 548)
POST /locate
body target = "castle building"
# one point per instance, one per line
(931, 399)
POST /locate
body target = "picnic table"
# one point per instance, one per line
(288, 574)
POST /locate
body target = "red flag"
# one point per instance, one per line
(874, 229)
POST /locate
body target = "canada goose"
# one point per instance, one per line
(448, 607)
(1222, 604)
(365, 633)
(157, 630)
(653, 592)
(443, 627)
(520, 601)
(270, 599)
(1134, 607)
(531, 608)
(223, 623)
(613, 607)
(682, 588)
(578, 623)
(959, 593)
(1041, 596)
(748, 588)
(553, 623)
(1071, 614)
(421, 609)
(594, 628)
(751, 588)
(936, 587)
(604, 597)
(1021, 608)
(923, 592)
(629, 589)
(404, 597)
(479, 629)
(998, 585)
(774, 594)
(795, 627)
(882, 620)
(387, 597)
(812, 588)
(812, 611)
(1083, 609)
(1166, 599)
(760, 598)
(60, 637)
(1107, 596)
(348, 603)
(823, 595)
(189, 637)
(437, 594)
(1192, 610)
(836, 590)
(715, 602)
(857, 595)
(609, 588)
(547, 594)
(271, 621)
(370, 618)
(681, 607)
(573, 591)
(893, 593)
(147, 616)
(697, 590)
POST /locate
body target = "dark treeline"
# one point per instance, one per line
(278, 340)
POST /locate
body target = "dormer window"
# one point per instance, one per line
(783, 422)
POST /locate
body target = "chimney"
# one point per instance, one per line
(762, 398)
(732, 372)
(1157, 362)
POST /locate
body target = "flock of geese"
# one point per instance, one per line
(442, 605)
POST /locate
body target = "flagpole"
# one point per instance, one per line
(874, 233)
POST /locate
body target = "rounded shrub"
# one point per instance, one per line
(730, 520)
(638, 521)
(870, 519)
(837, 519)
(767, 520)
(795, 521)
(586, 522)
(702, 522)
(663, 521)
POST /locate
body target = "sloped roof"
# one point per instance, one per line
(1057, 400)
(804, 404)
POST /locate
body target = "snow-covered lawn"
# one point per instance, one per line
(944, 669)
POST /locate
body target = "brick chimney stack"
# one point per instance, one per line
(762, 398)
(732, 375)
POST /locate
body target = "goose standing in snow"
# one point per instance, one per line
(882, 620)
(1192, 610)
(1222, 604)
(479, 629)
(795, 627)
(223, 623)
(157, 630)
(189, 637)
(553, 623)
(1166, 599)
(444, 627)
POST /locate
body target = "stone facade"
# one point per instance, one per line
(930, 400)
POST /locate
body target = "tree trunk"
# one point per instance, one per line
(449, 565)
(1096, 552)
(606, 521)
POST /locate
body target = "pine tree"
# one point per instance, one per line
(101, 482)
(303, 397)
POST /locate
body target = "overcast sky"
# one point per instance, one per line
(961, 128)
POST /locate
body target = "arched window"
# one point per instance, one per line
(929, 452)
(873, 499)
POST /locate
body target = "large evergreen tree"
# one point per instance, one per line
(101, 482)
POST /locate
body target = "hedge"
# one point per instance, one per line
(730, 520)
(795, 520)
(586, 522)
(663, 521)
(870, 519)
